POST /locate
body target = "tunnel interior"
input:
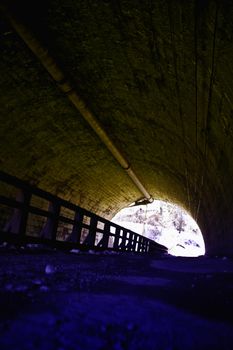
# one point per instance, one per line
(157, 76)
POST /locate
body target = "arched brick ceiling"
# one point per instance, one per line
(156, 74)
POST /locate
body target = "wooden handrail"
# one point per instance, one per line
(58, 228)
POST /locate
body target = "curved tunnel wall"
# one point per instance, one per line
(156, 75)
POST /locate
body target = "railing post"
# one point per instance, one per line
(117, 237)
(123, 243)
(134, 241)
(18, 221)
(77, 227)
(50, 229)
(106, 235)
(129, 245)
(140, 244)
(90, 239)
(144, 244)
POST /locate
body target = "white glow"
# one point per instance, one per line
(167, 224)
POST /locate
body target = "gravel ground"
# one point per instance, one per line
(56, 300)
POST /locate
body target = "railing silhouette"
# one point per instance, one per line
(31, 215)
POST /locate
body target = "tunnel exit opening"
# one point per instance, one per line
(167, 224)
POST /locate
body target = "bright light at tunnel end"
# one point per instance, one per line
(167, 224)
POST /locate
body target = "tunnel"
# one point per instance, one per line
(105, 103)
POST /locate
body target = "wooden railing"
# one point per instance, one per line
(31, 215)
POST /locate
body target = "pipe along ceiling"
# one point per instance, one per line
(151, 82)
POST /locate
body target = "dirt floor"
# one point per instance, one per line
(56, 300)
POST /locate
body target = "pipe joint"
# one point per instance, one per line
(65, 86)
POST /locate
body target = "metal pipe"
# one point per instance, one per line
(57, 74)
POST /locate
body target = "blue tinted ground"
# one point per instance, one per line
(56, 300)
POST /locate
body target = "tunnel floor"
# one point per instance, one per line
(56, 300)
